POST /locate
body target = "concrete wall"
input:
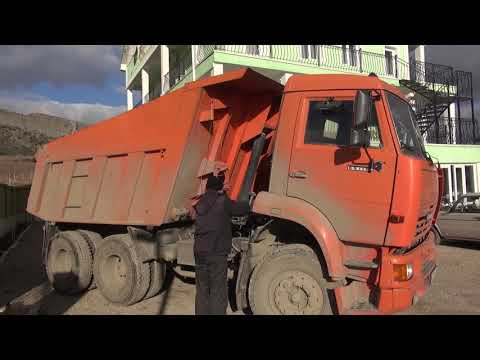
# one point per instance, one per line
(13, 204)
(454, 154)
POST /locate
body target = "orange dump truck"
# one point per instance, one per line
(344, 196)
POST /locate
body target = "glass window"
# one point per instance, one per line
(389, 62)
(333, 126)
(469, 178)
(411, 142)
(253, 49)
(349, 55)
(309, 51)
(445, 195)
(353, 55)
(344, 54)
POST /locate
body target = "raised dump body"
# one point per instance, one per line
(145, 166)
(345, 194)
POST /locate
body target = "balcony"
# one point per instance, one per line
(453, 131)
(435, 86)
(327, 57)
(142, 53)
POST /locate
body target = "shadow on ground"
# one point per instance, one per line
(472, 245)
(24, 288)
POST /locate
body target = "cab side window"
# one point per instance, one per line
(333, 126)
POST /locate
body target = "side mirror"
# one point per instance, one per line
(363, 106)
(359, 135)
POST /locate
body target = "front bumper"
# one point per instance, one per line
(393, 296)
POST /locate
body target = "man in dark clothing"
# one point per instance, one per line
(213, 242)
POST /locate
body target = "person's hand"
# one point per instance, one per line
(226, 187)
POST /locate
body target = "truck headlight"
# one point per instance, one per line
(402, 272)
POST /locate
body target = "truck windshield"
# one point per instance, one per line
(411, 142)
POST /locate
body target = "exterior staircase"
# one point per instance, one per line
(435, 89)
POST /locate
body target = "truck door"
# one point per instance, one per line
(335, 177)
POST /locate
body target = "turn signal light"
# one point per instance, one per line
(402, 272)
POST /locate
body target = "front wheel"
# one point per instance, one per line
(288, 281)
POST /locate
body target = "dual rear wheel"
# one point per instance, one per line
(81, 260)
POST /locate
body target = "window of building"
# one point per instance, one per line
(470, 178)
(310, 51)
(350, 55)
(253, 49)
(333, 126)
(390, 53)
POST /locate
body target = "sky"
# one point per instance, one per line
(78, 82)
(84, 82)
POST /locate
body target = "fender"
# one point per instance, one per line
(312, 219)
(435, 226)
(145, 244)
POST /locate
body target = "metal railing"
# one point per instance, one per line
(341, 58)
(455, 131)
(464, 84)
(440, 82)
(346, 58)
(183, 67)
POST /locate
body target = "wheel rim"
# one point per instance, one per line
(115, 271)
(296, 293)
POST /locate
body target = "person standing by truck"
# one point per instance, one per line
(213, 242)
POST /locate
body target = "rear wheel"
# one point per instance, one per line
(157, 278)
(121, 276)
(69, 263)
(94, 240)
(288, 281)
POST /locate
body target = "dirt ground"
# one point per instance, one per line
(456, 289)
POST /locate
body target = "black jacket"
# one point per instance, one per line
(213, 226)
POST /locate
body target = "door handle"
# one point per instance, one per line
(298, 174)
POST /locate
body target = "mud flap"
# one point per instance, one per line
(244, 270)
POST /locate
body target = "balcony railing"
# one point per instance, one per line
(139, 55)
(348, 59)
(325, 56)
(455, 131)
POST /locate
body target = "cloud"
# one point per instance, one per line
(88, 113)
(60, 65)
(120, 89)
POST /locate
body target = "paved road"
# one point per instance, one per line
(456, 289)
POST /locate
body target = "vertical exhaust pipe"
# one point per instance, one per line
(257, 149)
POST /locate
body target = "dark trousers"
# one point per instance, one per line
(211, 284)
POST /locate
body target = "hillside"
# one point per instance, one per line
(24, 134)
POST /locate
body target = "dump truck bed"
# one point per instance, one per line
(145, 166)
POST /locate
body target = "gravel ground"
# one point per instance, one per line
(456, 289)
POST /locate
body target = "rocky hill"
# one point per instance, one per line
(24, 134)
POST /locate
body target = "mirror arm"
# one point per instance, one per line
(371, 161)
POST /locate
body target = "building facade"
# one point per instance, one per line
(441, 96)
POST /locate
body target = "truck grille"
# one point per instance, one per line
(423, 226)
(424, 223)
